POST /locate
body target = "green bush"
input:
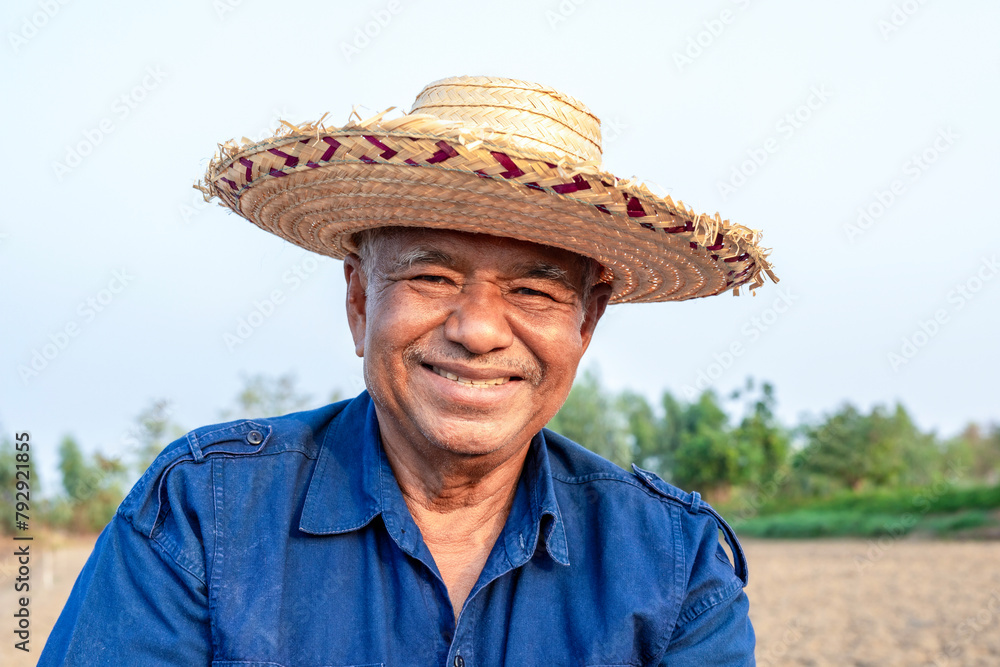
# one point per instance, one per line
(802, 524)
(934, 499)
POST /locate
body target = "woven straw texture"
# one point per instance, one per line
(486, 155)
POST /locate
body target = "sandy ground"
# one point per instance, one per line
(839, 602)
(53, 565)
(903, 602)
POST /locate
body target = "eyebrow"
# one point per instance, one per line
(537, 270)
(420, 255)
(546, 271)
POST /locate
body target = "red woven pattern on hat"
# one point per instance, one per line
(579, 183)
(249, 165)
(387, 153)
(535, 175)
(290, 160)
(333, 146)
(634, 207)
(513, 171)
(446, 152)
(688, 227)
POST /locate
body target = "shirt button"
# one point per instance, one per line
(255, 438)
(459, 661)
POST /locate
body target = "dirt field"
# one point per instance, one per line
(902, 602)
(812, 602)
(54, 564)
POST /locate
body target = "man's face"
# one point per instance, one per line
(470, 342)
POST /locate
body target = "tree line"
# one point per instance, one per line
(733, 450)
(745, 462)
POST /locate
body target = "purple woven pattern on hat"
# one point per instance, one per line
(387, 153)
(334, 145)
(446, 152)
(513, 171)
(566, 188)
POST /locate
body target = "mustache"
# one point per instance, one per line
(529, 370)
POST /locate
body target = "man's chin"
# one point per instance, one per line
(472, 439)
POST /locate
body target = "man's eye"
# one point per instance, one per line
(431, 278)
(527, 291)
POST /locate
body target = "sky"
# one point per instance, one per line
(861, 137)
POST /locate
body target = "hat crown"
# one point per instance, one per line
(535, 118)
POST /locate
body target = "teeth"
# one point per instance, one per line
(475, 383)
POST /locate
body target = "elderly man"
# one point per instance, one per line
(432, 520)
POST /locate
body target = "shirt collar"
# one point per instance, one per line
(344, 493)
(353, 483)
(535, 511)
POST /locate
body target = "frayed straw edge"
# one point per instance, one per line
(706, 227)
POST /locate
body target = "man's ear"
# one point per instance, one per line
(357, 284)
(594, 308)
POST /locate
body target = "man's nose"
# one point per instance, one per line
(478, 320)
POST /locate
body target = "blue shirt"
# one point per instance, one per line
(287, 541)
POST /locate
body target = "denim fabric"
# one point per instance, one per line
(287, 542)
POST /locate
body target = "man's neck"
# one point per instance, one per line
(460, 504)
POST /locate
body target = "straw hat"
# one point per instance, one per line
(488, 155)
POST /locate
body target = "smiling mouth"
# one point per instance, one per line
(491, 382)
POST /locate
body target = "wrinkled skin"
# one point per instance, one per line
(479, 307)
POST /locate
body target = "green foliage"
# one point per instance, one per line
(154, 429)
(761, 438)
(93, 485)
(861, 523)
(938, 498)
(840, 447)
(707, 456)
(691, 444)
(643, 429)
(939, 509)
(977, 452)
(881, 448)
(958, 521)
(588, 417)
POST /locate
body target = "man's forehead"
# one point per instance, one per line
(411, 245)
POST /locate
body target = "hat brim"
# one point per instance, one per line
(316, 187)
